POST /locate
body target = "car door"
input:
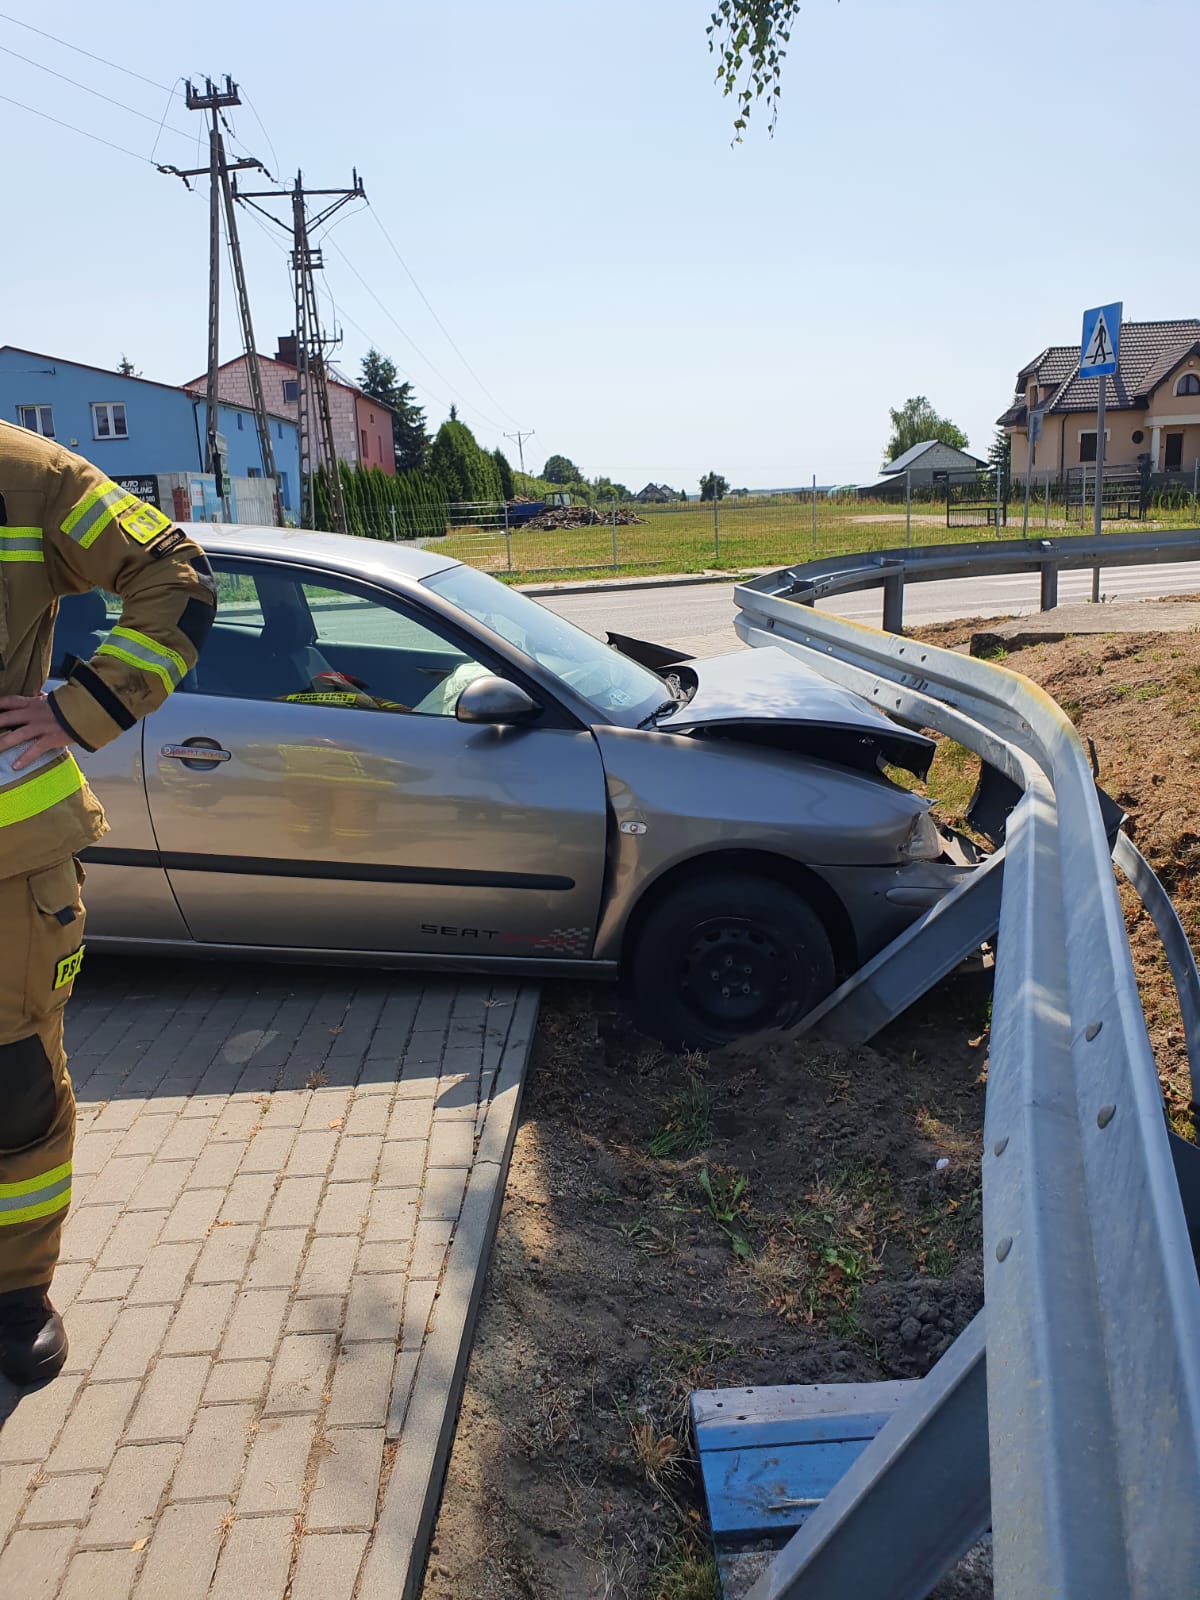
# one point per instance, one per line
(310, 786)
(127, 895)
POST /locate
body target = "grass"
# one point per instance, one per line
(817, 1258)
(757, 532)
(950, 783)
(685, 1571)
(686, 1126)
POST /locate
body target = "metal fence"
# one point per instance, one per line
(757, 532)
(1068, 1414)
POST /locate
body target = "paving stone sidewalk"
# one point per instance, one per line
(285, 1189)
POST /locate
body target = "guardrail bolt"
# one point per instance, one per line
(1105, 1115)
(1092, 1029)
(1003, 1248)
(1000, 1146)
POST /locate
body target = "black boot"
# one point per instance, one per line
(33, 1341)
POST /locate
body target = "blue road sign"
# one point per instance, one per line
(1098, 347)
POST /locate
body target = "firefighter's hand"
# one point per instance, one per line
(28, 719)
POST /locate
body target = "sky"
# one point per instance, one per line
(949, 186)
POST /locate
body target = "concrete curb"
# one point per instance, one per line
(395, 1566)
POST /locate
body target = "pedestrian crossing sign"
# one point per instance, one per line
(1098, 347)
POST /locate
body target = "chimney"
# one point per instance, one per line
(287, 350)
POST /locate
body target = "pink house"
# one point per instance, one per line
(362, 427)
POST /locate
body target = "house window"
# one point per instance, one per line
(241, 421)
(38, 419)
(254, 472)
(291, 391)
(366, 455)
(1188, 384)
(1173, 458)
(108, 421)
(1087, 446)
(279, 430)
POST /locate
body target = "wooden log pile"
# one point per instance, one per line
(581, 517)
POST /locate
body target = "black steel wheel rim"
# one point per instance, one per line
(737, 973)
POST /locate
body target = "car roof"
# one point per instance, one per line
(341, 552)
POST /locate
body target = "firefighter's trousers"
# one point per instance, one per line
(41, 944)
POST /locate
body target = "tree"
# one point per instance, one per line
(917, 421)
(1000, 452)
(604, 489)
(463, 471)
(561, 469)
(505, 471)
(713, 486)
(750, 40)
(126, 367)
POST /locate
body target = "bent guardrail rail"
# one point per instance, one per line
(1091, 1441)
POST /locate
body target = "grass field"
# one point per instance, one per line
(763, 533)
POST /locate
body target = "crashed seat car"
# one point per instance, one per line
(384, 757)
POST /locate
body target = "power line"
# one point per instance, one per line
(491, 421)
(78, 49)
(395, 251)
(71, 128)
(87, 89)
(364, 333)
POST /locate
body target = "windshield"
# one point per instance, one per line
(618, 688)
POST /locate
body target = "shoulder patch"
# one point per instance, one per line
(143, 522)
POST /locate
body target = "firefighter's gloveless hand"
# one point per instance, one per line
(28, 719)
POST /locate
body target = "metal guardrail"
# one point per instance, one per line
(890, 570)
(1089, 1446)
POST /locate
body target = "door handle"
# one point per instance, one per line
(197, 754)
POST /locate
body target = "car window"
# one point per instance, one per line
(278, 636)
(617, 687)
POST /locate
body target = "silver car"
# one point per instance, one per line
(385, 757)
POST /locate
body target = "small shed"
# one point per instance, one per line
(931, 460)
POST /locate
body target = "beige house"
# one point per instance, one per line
(1153, 404)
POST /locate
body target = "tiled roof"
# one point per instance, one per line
(1149, 351)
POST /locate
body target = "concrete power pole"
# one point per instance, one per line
(214, 100)
(312, 387)
(521, 438)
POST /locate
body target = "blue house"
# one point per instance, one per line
(134, 428)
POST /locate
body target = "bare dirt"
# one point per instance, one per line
(676, 1223)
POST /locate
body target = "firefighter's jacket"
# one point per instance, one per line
(65, 529)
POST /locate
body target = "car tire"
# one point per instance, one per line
(726, 956)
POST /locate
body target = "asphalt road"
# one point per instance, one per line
(699, 617)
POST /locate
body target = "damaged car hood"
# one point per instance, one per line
(768, 697)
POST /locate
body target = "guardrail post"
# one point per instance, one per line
(893, 604)
(614, 532)
(1049, 585)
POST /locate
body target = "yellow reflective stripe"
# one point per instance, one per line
(21, 544)
(110, 649)
(163, 651)
(29, 1185)
(42, 1208)
(87, 520)
(37, 794)
(35, 1197)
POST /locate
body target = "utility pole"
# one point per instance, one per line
(521, 438)
(214, 100)
(312, 386)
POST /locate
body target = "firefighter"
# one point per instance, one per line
(64, 529)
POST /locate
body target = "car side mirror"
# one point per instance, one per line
(494, 700)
